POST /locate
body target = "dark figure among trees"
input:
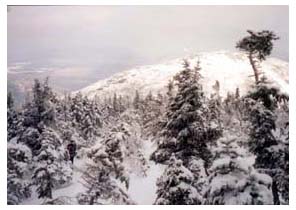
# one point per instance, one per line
(72, 150)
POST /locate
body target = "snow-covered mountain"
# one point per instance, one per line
(232, 70)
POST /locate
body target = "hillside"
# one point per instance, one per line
(232, 70)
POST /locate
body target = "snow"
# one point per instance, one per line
(68, 192)
(143, 189)
(232, 70)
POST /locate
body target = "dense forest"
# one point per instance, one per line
(214, 150)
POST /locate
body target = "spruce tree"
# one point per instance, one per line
(136, 101)
(187, 131)
(13, 118)
(103, 173)
(270, 151)
(19, 159)
(175, 186)
(37, 114)
(52, 169)
(233, 179)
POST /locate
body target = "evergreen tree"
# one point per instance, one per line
(86, 118)
(136, 101)
(175, 186)
(52, 169)
(19, 159)
(281, 133)
(13, 118)
(37, 114)
(187, 131)
(258, 45)
(267, 94)
(233, 179)
(261, 137)
(102, 189)
(263, 143)
(102, 174)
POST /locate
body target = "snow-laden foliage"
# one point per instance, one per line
(19, 158)
(188, 129)
(52, 167)
(105, 173)
(233, 179)
(102, 189)
(116, 134)
(175, 186)
(281, 133)
(13, 118)
(37, 114)
(85, 118)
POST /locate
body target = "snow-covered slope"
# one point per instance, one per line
(232, 70)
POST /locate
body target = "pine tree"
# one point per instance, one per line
(267, 94)
(136, 100)
(233, 179)
(13, 118)
(187, 131)
(258, 45)
(19, 159)
(37, 114)
(281, 133)
(85, 118)
(102, 174)
(263, 100)
(175, 186)
(52, 169)
(102, 189)
(261, 137)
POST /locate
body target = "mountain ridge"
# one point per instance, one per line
(234, 71)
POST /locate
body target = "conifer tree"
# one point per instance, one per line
(51, 169)
(19, 159)
(175, 186)
(187, 131)
(13, 118)
(136, 102)
(38, 113)
(258, 45)
(233, 179)
(263, 143)
(104, 171)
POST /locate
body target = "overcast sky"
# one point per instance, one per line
(85, 43)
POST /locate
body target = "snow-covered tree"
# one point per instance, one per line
(86, 118)
(136, 100)
(175, 186)
(281, 133)
(233, 179)
(13, 118)
(261, 137)
(37, 114)
(102, 189)
(187, 131)
(19, 159)
(258, 45)
(104, 174)
(266, 93)
(52, 169)
(152, 114)
(271, 152)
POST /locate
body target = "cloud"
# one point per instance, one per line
(94, 42)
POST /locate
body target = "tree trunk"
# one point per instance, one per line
(275, 193)
(256, 74)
